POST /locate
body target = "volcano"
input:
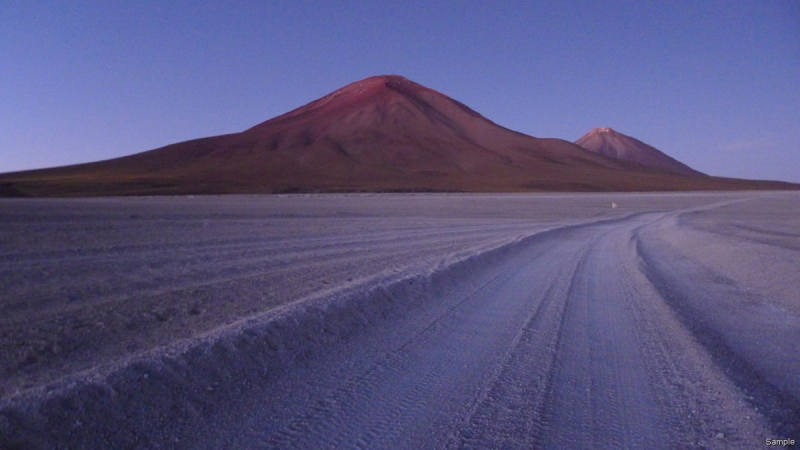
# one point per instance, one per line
(614, 144)
(380, 134)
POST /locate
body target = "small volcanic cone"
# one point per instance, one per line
(613, 144)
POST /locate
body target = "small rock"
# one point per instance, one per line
(720, 435)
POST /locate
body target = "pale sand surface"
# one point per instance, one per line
(401, 321)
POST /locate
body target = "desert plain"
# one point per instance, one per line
(671, 320)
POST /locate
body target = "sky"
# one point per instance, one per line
(714, 84)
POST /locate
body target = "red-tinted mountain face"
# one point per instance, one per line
(613, 144)
(393, 125)
(383, 133)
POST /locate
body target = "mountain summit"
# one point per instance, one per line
(613, 144)
(383, 133)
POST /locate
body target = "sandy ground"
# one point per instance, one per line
(401, 321)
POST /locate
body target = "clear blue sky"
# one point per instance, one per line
(715, 84)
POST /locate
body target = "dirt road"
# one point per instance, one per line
(623, 330)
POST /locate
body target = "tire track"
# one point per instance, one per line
(509, 413)
(599, 395)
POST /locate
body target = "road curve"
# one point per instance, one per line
(560, 346)
(593, 335)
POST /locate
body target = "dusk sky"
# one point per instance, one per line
(714, 84)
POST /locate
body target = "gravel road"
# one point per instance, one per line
(401, 321)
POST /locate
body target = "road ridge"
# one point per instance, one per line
(781, 407)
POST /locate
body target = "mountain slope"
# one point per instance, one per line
(383, 133)
(613, 144)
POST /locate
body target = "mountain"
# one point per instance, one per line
(614, 144)
(383, 133)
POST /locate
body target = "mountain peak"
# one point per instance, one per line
(375, 82)
(614, 144)
(378, 98)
